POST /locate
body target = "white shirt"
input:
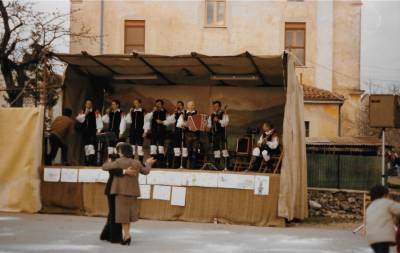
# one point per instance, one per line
(224, 121)
(273, 144)
(99, 122)
(170, 119)
(181, 122)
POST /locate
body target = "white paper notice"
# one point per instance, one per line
(261, 185)
(69, 175)
(88, 175)
(178, 196)
(236, 181)
(201, 179)
(165, 178)
(144, 191)
(102, 176)
(142, 179)
(161, 192)
(51, 174)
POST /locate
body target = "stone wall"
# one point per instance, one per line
(335, 205)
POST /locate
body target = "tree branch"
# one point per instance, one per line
(7, 32)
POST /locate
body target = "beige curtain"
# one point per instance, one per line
(21, 131)
(292, 201)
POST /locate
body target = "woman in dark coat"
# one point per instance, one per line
(112, 231)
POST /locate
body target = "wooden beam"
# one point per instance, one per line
(100, 63)
(265, 82)
(154, 69)
(113, 72)
(196, 56)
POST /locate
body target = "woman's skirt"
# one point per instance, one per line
(126, 209)
(112, 231)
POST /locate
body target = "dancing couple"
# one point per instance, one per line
(122, 190)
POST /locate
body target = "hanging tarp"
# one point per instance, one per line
(21, 136)
(293, 187)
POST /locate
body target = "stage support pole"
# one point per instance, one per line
(383, 157)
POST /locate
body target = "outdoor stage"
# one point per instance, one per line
(170, 194)
(177, 195)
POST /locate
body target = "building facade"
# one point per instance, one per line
(324, 35)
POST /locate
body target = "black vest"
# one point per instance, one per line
(269, 138)
(216, 126)
(137, 121)
(89, 125)
(115, 121)
(158, 115)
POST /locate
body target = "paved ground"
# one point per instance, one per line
(62, 233)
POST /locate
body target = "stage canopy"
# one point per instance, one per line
(90, 76)
(194, 69)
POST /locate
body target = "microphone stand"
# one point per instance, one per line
(226, 148)
(182, 140)
(226, 141)
(182, 136)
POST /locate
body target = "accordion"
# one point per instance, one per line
(197, 122)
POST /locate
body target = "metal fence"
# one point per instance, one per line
(343, 171)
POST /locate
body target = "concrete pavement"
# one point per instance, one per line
(63, 233)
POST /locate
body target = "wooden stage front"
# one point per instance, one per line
(170, 194)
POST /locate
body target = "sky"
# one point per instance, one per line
(380, 46)
(60, 6)
(380, 42)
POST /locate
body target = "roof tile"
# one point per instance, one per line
(313, 93)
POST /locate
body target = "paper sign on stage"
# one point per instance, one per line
(261, 185)
(142, 179)
(69, 175)
(88, 175)
(165, 178)
(102, 176)
(201, 179)
(178, 196)
(161, 192)
(52, 174)
(144, 191)
(236, 181)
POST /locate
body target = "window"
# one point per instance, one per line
(215, 13)
(134, 36)
(307, 124)
(295, 41)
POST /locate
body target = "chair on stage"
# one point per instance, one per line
(273, 165)
(242, 154)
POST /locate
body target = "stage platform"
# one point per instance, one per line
(170, 194)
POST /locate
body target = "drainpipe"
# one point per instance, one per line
(101, 26)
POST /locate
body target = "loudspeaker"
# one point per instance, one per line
(384, 111)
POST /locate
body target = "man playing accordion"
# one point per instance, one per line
(191, 135)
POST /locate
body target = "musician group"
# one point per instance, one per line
(183, 128)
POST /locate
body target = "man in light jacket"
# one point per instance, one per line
(381, 215)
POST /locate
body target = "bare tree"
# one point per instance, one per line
(394, 89)
(27, 41)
